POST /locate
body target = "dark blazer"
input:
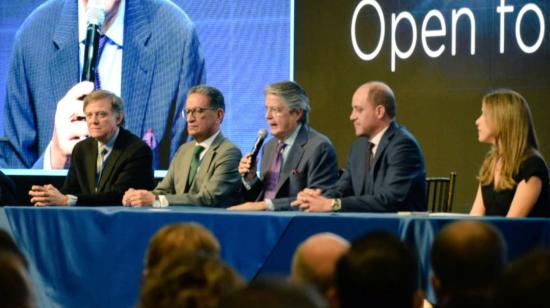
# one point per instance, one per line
(397, 181)
(311, 163)
(161, 61)
(217, 182)
(7, 190)
(128, 166)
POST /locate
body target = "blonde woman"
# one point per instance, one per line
(513, 180)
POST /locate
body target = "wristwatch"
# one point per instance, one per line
(336, 205)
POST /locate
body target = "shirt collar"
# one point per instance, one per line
(109, 145)
(208, 142)
(290, 140)
(115, 32)
(376, 139)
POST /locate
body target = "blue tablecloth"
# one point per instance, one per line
(93, 257)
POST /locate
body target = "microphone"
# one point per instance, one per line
(262, 133)
(96, 16)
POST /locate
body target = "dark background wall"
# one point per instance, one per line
(439, 98)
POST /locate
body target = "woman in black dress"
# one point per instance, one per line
(513, 179)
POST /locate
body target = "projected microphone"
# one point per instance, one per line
(262, 133)
(96, 17)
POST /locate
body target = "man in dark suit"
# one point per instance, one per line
(104, 165)
(385, 168)
(7, 190)
(204, 171)
(151, 58)
(307, 158)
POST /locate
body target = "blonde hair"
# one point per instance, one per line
(515, 137)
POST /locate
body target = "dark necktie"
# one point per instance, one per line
(102, 40)
(195, 162)
(272, 176)
(370, 158)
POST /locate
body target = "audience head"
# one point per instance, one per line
(286, 105)
(15, 284)
(188, 238)
(373, 108)
(525, 282)
(507, 124)
(104, 113)
(273, 293)
(204, 111)
(378, 271)
(314, 262)
(185, 279)
(467, 259)
(7, 244)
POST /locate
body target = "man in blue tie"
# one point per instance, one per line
(297, 157)
(204, 171)
(104, 165)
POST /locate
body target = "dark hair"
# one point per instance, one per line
(467, 255)
(525, 282)
(15, 284)
(273, 292)
(7, 244)
(378, 271)
(214, 95)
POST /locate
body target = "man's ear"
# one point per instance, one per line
(219, 114)
(119, 118)
(300, 113)
(380, 111)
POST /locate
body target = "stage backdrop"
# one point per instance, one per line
(246, 44)
(440, 57)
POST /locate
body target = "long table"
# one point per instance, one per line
(93, 256)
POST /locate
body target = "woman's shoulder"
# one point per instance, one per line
(534, 164)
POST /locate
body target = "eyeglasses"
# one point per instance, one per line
(195, 111)
(276, 111)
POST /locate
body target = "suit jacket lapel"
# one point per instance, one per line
(294, 156)
(90, 164)
(185, 165)
(379, 153)
(138, 63)
(207, 161)
(359, 166)
(112, 159)
(62, 69)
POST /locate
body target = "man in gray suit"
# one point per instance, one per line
(385, 168)
(204, 171)
(298, 156)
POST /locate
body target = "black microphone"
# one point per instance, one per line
(96, 17)
(262, 133)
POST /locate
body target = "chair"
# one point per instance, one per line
(440, 193)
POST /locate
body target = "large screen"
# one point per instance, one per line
(246, 45)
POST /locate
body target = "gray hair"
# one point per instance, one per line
(215, 96)
(293, 95)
